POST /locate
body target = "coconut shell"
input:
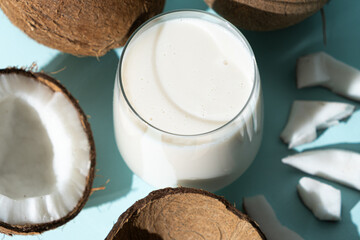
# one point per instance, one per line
(54, 85)
(265, 15)
(184, 213)
(80, 27)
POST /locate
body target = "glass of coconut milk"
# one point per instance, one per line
(188, 101)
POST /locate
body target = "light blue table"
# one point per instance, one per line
(91, 81)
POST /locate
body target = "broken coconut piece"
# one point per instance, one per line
(322, 199)
(184, 213)
(308, 116)
(320, 69)
(341, 166)
(260, 210)
(47, 153)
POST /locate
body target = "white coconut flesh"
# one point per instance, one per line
(338, 165)
(308, 116)
(321, 69)
(322, 199)
(44, 152)
(259, 209)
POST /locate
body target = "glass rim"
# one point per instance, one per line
(252, 56)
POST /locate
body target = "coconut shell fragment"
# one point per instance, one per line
(80, 27)
(265, 15)
(27, 210)
(184, 213)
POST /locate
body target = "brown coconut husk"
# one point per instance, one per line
(184, 213)
(265, 15)
(80, 27)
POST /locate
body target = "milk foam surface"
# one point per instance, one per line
(187, 76)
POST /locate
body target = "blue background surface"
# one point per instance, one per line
(91, 81)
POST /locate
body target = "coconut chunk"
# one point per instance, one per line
(47, 154)
(259, 209)
(341, 166)
(321, 69)
(308, 116)
(322, 199)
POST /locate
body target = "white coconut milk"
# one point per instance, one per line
(185, 78)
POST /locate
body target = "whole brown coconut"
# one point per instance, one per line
(265, 15)
(86, 27)
(184, 213)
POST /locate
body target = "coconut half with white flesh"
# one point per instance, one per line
(322, 199)
(308, 116)
(47, 153)
(321, 69)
